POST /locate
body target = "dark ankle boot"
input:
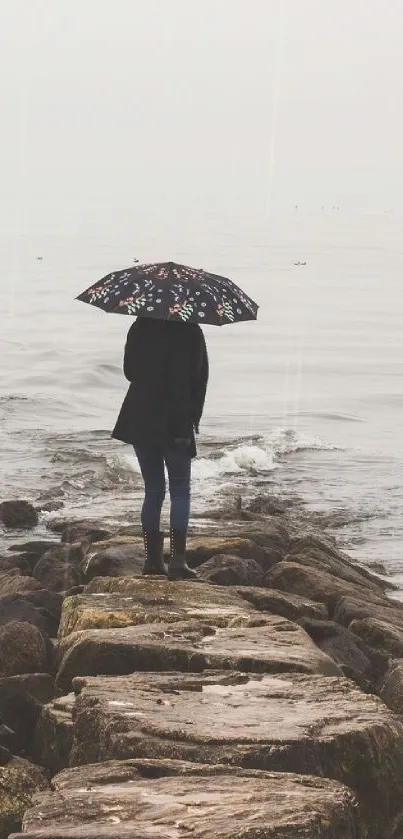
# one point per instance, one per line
(154, 561)
(178, 568)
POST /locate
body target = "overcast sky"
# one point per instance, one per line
(232, 103)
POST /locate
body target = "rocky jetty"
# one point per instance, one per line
(263, 701)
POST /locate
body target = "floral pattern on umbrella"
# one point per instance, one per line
(172, 292)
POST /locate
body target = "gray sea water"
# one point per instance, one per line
(308, 400)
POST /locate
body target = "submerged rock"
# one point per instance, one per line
(288, 723)
(16, 514)
(273, 645)
(139, 799)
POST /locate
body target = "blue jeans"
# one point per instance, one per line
(152, 462)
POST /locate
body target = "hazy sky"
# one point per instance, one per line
(227, 103)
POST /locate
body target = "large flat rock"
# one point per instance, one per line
(128, 601)
(268, 644)
(168, 800)
(289, 723)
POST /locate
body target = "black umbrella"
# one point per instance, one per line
(168, 291)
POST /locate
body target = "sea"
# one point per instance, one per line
(304, 405)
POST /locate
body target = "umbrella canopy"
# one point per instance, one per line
(168, 291)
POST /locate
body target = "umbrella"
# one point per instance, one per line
(168, 291)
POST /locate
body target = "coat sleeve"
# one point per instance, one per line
(131, 352)
(199, 380)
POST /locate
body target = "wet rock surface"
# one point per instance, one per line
(304, 724)
(167, 799)
(127, 601)
(274, 645)
(243, 677)
(317, 584)
(290, 606)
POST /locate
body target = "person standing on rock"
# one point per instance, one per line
(167, 367)
(166, 363)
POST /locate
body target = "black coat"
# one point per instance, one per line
(166, 363)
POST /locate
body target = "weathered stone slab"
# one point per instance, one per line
(275, 645)
(380, 635)
(127, 601)
(304, 724)
(312, 552)
(168, 799)
(355, 607)
(351, 654)
(318, 585)
(290, 606)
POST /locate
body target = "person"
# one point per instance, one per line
(166, 364)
